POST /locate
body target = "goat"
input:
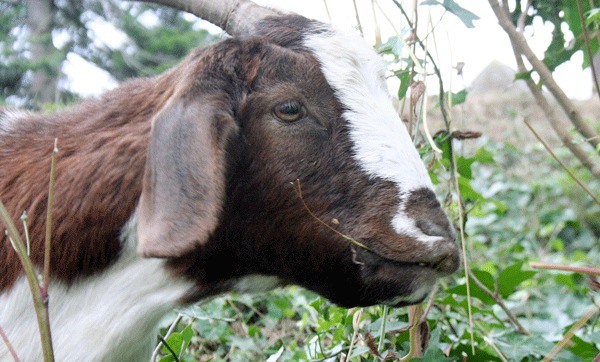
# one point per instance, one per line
(177, 188)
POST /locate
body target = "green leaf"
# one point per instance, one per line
(484, 156)
(466, 190)
(404, 77)
(485, 278)
(511, 277)
(463, 165)
(457, 98)
(463, 14)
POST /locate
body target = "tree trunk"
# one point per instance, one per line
(44, 80)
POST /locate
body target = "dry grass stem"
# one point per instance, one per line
(298, 190)
(547, 147)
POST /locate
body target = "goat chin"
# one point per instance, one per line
(246, 167)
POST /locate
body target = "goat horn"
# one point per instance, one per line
(236, 17)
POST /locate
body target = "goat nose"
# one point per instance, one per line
(438, 226)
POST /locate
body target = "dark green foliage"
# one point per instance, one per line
(148, 49)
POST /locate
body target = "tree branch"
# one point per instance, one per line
(520, 44)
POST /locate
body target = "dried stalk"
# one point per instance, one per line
(575, 269)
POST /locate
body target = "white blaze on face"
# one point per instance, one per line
(383, 147)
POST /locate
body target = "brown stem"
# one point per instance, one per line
(519, 42)
(575, 269)
(500, 302)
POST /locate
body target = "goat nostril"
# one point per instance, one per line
(440, 227)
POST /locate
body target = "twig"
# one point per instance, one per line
(169, 331)
(356, 327)
(463, 247)
(429, 303)
(579, 182)
(164, 342)
(40, 304)
(384, 315)
(12, 351)
(577, 326)
(500, 302)
(438, 73)
(298, 191)
(518, 41)
(491, 343)
(575, 269)
(49, 218)
(358, 19)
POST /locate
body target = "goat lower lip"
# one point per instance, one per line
(444, 266)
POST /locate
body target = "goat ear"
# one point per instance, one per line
(184, 182)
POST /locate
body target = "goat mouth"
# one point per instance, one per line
(444, 266)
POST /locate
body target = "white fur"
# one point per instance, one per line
(383, 147)
(103, 318)
(418, 295)
(8, 117)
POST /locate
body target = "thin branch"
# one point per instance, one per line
(48, 242)
(41, 305)
(298, 191)
(169, 331)
(500, 302)
(442, 92)
(579, 182)
(384, 315)
(164, 342)
(360, 29)
(575, 269)
(519, 42)
(429, 303)
(12, 351)
(577, 326)
(463, 245)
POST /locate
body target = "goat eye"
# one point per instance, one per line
(289, 111)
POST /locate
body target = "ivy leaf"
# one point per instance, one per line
(484, 277)
(451, 6)
(511, 277)
(404, 77)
